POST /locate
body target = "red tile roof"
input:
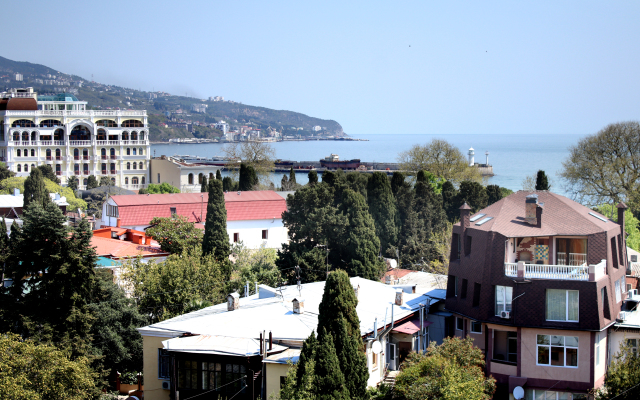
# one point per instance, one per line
(114, 248)
(253, 205)
(395, 273)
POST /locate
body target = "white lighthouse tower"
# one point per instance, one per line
(471, 154)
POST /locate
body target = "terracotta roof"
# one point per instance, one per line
(24, 104)
(560, 216)
(114, 248)
(253, 205)
(397, 273)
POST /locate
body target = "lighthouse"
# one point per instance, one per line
(471, 154)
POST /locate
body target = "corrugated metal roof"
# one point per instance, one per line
(209, 344)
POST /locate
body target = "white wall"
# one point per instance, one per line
(251, 232)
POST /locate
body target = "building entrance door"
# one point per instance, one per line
(391, 356)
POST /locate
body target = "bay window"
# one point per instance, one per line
(557, 351)
(562, 305)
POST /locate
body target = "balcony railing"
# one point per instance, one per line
(559, 272)
(114, 157)
(85, 157)
(83, 113)
(86, 172)
(80, 142)
(114, 172)
(574, 259)
(76, 157)
(105, 157)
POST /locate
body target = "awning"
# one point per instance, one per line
(410, 327)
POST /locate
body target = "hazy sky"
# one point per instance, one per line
(375, 67)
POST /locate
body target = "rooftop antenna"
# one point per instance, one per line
(299, 281)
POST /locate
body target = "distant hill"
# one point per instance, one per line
(164, 107)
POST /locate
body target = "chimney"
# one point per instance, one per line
(621, 209)
(465, 213)
(530, 209)
(399, 297)
(539, 215)
(233, 301)
(298, 306)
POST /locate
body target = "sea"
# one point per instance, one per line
(513, 157)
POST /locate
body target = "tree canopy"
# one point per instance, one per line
(216, 238)
(154, 188)
(175, 234)
(622, 380)
(35, 189)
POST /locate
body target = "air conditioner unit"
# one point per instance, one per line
(622, 316)
(632, 293)
(505, 314)
(166, 385)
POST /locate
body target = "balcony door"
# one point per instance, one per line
(571, 251)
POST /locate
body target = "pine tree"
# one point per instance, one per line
(356, 247)
(542, 183)
(292, 177)
(330, 381)
(449, 194)
(397, 181)
(382, 207)
(227, 184)
(218, 175)
(35, 190)
(329, 177)
(313, 177)
(216, 238)
(92, 182)
(203, 185)
(72, 183)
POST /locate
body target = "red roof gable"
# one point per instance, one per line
(253, 205)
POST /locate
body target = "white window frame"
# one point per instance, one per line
(476, 322)
(597, 348)
(459, 319)
(618, 292)
(508, 295)
(566, 311)
(564, 346)
(634, 344)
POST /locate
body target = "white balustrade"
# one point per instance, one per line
(560, 272)
(82, 113)
(511, 269)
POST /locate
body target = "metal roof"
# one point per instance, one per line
(208, 344)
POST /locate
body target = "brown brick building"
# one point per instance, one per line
(536, 279)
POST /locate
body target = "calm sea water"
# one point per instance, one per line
(513, 156)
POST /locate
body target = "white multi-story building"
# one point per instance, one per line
(60, 131)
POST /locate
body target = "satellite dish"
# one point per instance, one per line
(376, 347)
(518, 392)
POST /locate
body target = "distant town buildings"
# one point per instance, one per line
(19, 77)
(199, 108)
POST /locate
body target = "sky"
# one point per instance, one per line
(483, 67)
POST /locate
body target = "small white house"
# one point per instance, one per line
(253, 218)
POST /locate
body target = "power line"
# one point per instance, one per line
(212, 390)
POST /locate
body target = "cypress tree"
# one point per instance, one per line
(292, 177)
(306, 360)
(397, 181)
(313, 177)
(203, 185)
(218, 175)
(494, 193)
(542, 183)
(4, 243)
(330, 381)
(227, 184)
(216, 239)
(35, 190)
(382, 207)
(329, 177)
(248, 178)
(92, 182)
(449, 194)
(356, 247)
(284, 182)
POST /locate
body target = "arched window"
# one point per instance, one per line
(211, 176)
(107, 123)
(79, 132)
(102, 134)
(125, 135)
(48, 154)
(112, 152)
(58, 134)
(25, 136)
(126, 180)
(200, 176)
(19, 167)
(33, 152)
(84, 181)
(32, 166)
(132, 123)
(18, 153)
(26, 152)
(16, 136)
(76, 154)
(134, 135)
(57, 154)
(190, 179)
(23, 123)
(134, 180)
(142, 135)
(128, 165)
(140, 164)
(143, 180)
(104, 168)
(134, 151)
(103, 152)
(85, 154)
(76, 169)
(26, 168)
(50, 123)
(128, 151)
(58, 169)
(33, 136)
(113, 168)
(141, 151)
(135, 166)
(85, 168)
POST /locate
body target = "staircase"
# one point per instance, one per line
(390, 378)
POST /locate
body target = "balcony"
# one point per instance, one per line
(58, 158)
(114, 172)
(114, 157)
(80, 142)
(58, 173)
(582, 272)
(76, 157)
(103, 172)
(85, 157)
(574, 259)
(86, 172)
(105, 157)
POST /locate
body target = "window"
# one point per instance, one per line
(236, 237)
(476, 294)
(614, 252)
(187, 374)
(562, 305)
(19, 168)
(618, 294)
(459, 324)
(158, 178)
(505, 346)
(128, 165)
(283, 380)
(571, 252)
(132, 123)
(504, 294)
(18, 153)
(463, 290)
(374, 360)
(476, 327)
(128, 151)
(467, 246)
(163, 364)
(633, 343)
(135, 165)
(140, 151)
(455, 247)
(26, 168)
(265, 234)
(557, 351)
(190, 179)
(140, 165)
(126, 181)
(112, 211)
(629, 287)
(134, 151)
(33, 153)
(173, 212)
(598, 348)
(211, 376)
(233, 374)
